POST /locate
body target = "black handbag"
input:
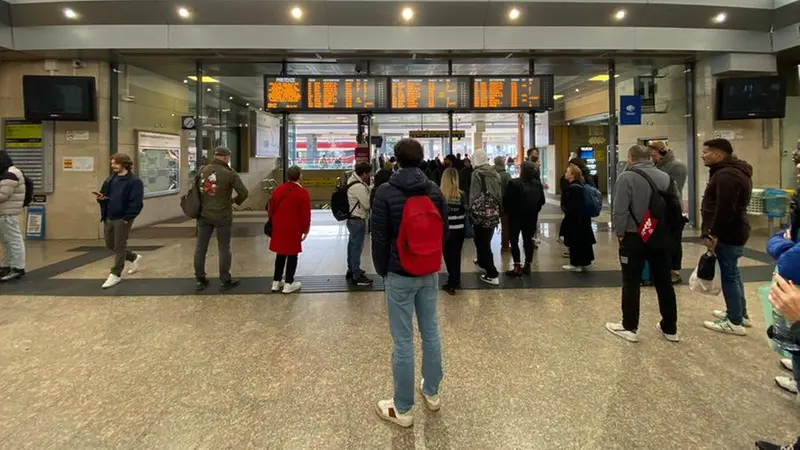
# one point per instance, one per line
(268, 225)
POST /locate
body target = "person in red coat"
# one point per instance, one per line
(290, 210)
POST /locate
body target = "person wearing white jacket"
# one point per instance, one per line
(358, 197)
(12, 198)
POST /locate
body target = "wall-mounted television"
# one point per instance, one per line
(751, 98)
(59, 98)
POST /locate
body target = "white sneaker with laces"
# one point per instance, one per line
(723, 315)
(787, 364)
(289, 288)
(619, 330)
(725, 326)
(493, 281)
(787, 384)
(571, 268)
(387, 412)
(277, 286)
(135, 265)
(111, 281)
(432, 402)
(669, 337)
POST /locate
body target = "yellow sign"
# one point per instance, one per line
(67, 163)
(422, 134)
(22, 134)
(318, 182)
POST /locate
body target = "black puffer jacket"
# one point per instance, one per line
(387, 212)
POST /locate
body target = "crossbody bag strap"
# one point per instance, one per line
(280, 200)
(653, 189)
(358, 202)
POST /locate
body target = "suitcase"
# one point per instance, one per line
(646, 281)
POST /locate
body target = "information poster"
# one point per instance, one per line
(22, 139)
(158, 162)
(268, 135)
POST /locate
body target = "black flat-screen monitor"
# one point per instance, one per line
(59, 98)
(751, 98)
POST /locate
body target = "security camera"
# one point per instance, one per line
(359, 67)
(78, 64)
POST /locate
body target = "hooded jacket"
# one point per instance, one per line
(12, 187)
(358, 197)
(724, 207)
(524, 197)
(387, 212)
(674, 168)
(505, 177)
(485, 175)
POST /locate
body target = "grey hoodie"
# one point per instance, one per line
(487, 174)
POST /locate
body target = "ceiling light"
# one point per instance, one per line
(577, 90)
(69, 13)
(601, 77)
(721, 17)
(184, 13)
(557, 96)
(341, 118)
(230, 98)
(247, 104)
(297, 13)
(513, 14)
(408, 14)
(206, 79)
(185, 81)
(208, 90)
(619, 15)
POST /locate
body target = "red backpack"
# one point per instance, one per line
(419, 243)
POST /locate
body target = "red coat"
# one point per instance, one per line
(291, 219)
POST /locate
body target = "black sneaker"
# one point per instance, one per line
(230, 284)
(526, 270)
(201, 284)
(4, 271)
(348, 276)
(13, 274)
(363, 281)
(764, 445)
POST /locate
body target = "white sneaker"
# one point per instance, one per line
(432, 402)
(725, 326)
(787, 384)
(493, 281)
(571, 268)
(669, 337)
(387, 412)
(723, 315)
(135, 265)
(277, 286)
(111, 281)
(788, 364)
(619, 330)
(288, 288)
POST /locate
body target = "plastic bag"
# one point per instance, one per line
(703, 279)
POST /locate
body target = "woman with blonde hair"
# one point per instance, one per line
(456, 215)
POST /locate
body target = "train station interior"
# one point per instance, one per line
(151, 363)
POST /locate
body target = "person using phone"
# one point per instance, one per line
(121, 200)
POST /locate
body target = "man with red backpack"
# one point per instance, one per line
(409, 228)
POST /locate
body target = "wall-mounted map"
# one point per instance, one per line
(158, 162)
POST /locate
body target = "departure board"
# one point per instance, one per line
(513, 93)
(430, 93)
(346, 93)
(283, 93)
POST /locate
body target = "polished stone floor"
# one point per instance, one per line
(527, 368)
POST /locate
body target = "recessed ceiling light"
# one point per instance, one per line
(577, 90)
(69, 13)
(230, 98)
(206, 79)
(721, 17)
(184, 13)
(247, 104)
(513, 14)
(185, 81)
(297, 13)
(408, 14)
(619, 15)
(208, 90)
(557, 96)
(601, 77)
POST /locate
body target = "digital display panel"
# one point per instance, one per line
(283, 93)
(513, 93)
(435, 93)
(346, 93)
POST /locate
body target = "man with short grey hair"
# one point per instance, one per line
(217, 182)
(631, 206)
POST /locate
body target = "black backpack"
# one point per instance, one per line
(662, 224)
(29, 188)
(340, 204)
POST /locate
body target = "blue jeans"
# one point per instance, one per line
(796, 369)
(731, 280)
(358, 231)
(403, 296)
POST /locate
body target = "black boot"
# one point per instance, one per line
(515, 272)
(526, 269)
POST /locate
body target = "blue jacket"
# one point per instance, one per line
(124, 197)
(387, 212)
(787, 256)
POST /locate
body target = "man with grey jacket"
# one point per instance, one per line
(631, 204)
(358, 198)
(665, 161)
(12, 198)
(485, 177)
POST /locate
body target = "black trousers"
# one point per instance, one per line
(527, 230)
(452, 256)
(632, 256)
(483, 246)
(288, 261)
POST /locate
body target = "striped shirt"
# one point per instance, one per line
(456, 213)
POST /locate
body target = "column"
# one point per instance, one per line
(478, 128)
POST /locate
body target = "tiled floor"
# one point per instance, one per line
(524, 368)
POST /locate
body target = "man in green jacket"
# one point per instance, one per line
(217, 182)
(505, 177)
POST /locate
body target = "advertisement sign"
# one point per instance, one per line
(630, 110)
(362, 154)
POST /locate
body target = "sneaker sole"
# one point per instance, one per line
(791, 391)
(391, 419)
(622, 336)
(670, 338)
(723, 331)
(745, 323)
(490, 283)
